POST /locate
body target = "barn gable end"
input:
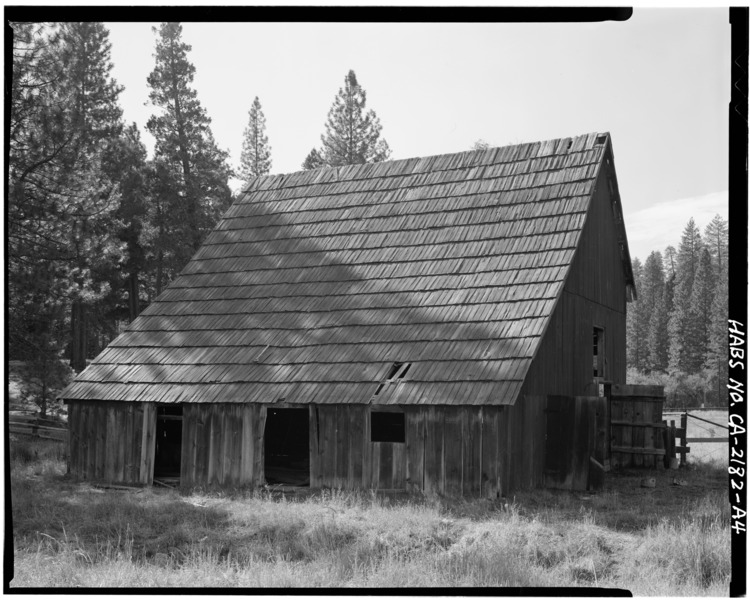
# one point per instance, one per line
(453, 281)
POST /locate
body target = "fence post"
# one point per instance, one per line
(683, 426)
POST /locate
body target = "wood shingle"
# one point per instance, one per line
(313, 284)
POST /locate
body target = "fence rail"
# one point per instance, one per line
(30, 426)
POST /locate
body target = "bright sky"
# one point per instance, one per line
(659, 83)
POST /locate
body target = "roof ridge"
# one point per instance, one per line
(519, 151)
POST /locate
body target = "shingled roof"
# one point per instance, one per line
(314, 284)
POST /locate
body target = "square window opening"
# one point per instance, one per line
(388, 427)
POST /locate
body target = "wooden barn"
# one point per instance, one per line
(444, 324)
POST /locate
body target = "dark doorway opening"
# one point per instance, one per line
(287, 446)
(168, 442)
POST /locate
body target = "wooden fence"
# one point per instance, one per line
(680, 433)
(636, 425)
(30, 425)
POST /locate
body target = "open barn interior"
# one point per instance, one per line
(287, 446)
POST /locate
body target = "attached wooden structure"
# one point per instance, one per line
(636, 421)
(402, 325)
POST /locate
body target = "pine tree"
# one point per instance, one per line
(679, 335)
(255, 160)
(352, 135)
(92, 195)
(716, 236)
(670, 258)
(314, 160)
(650, 295)
(127, 165)
(193, 171)
(64, 117)
(718, 346)
(658, 336)
(699, 314)
(717, 241)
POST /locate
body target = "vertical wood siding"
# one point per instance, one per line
(454, 451)
(594, 295)
(575, 428)
(222, 445)
(105, 440)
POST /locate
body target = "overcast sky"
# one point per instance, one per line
(659, 83)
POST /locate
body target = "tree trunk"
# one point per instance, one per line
(78, 323)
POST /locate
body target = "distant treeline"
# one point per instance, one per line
(677, 329)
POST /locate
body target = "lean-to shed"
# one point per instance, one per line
(439, 324)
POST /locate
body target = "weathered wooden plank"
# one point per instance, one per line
(314, 447)
(490, 486)
(327, 447)
(74, 437)
(415, 448)
(357, 439)
(453, 449)
(471, 426)
(259, 435)
(631, 450)
(433, 456)
(85, 440)
(579, 441)
(234, 446)
(128, 467)
(247, 446)
(148, 440)
(98, 452)
(639, 415)
(121, 443)
(212, 439)
(342, 446)
(187, 459)
(505, 435)
(398, 472)
(384, 450)
(202, 439)
(367, 453)
(135, 441)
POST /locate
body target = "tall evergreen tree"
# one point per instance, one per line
(658, 337)
(679, 331)
(255, 160)
(92, 195)
(64, 116)
(352, 135)
(194, 171)
(699, 314)
(670, 261)
(718, 345)
(127, 164)
(635, 332)
(716, 237)
(650, 295)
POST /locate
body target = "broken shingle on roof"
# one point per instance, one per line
(315, 283)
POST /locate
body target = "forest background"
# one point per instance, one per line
(98, 226)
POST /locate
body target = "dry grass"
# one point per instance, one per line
(669, 540)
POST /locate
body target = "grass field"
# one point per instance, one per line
(663, 541)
